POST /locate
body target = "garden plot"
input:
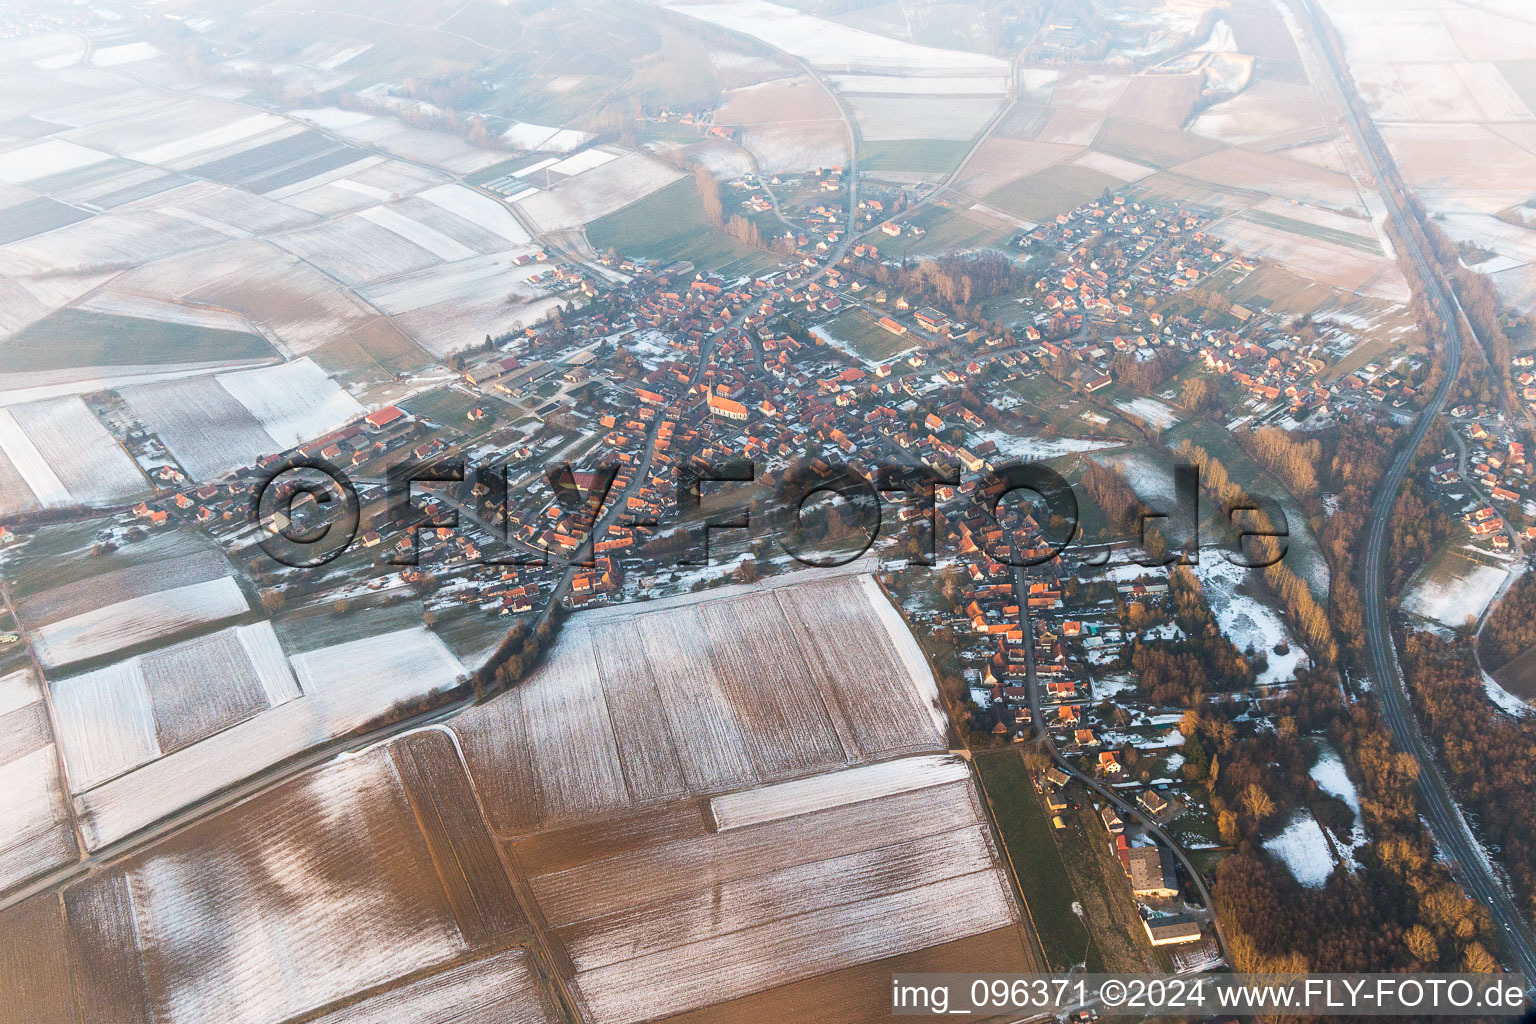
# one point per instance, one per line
(703, 693)
(842, 869)
(835, 46)
(137, 620)
(341, 687)
(35, 829)
(65, 456)
(597, 192)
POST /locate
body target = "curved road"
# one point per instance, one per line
(1126, 809)
(1450, 829)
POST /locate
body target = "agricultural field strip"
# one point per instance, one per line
(430, 239)
(746, 904)
(820, 792)
(137, 620)
(35, 828)
(223, 937)
(293, 401)
(788, 728)
(269, 661)
(113, 586)
(501, 989)
(646, 746)
(476, 884)
(343, 686)
(84, 457)
(17, 690)
(858, 667)
(698, 709)
(673, 870)
(718, 969)
(570, 734)
(30, 463)
(103, 936)
(477, 209)
(106, 723)
(201, 687)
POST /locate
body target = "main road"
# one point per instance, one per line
(1450, 829)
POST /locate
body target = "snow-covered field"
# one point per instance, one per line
(740, 684)
(66, 456)
(342, 687)
(597, 192)
(1455, 597)
(837, 47)
(293, 401)
(137, 620)
(35, 830)
(803, 796)
(861, 874)
(1303, 848)
(1034, 449)
(477, 209)
(215, 424)
(1155, 413)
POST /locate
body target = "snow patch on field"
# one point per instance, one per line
(802, 796)
(1034, 449)
(1246, 621)
(1304, 849)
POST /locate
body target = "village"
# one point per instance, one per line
(1086, 339)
